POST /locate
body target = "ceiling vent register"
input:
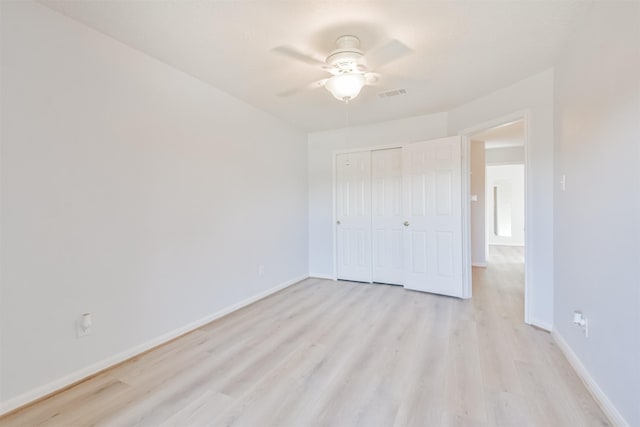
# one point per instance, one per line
(394, 92)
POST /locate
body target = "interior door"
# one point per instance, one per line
(353, 216)
(432, 200)
(386, 220)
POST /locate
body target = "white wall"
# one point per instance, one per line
(130, 190)
(597, 218)
(505, 155)
(514, 176)
(477, 188)
(534, 94)
(322, 145)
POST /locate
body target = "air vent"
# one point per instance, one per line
(394, 92)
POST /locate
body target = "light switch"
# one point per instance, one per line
(474, 197)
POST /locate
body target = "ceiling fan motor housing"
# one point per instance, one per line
(348, 58)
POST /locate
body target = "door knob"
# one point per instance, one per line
(338, 222)
(406, 223)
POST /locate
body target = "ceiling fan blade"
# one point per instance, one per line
(406, 80)
(298, 55)
(391, 51)
(314, 85)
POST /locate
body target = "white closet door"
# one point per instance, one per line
(432, 199)
(354, 216)
(386, 186)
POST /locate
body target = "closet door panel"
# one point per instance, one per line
(386, 176)
(433, 215)
(353, 214)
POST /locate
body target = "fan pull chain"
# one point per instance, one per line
(346, 113)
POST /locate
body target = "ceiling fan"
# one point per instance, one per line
(348, 66)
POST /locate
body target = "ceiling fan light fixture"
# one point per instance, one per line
(345, 86)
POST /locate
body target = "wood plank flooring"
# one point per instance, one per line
(345, 354)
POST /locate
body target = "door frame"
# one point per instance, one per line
(334, 189)
(524, 115)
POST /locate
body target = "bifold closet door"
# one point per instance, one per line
(432, 199)
(386, 220)
(353, 215)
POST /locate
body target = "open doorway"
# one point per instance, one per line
(497, 211)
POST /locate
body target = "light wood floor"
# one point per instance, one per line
(343, 354)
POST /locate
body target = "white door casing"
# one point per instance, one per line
(386, 220)
(353, 215)
(432, 201)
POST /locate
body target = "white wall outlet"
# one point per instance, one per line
(83, 325)
(580, 320)
(563, 182)
(261, 270)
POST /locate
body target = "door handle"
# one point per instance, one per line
(406, 223)
(338, 222)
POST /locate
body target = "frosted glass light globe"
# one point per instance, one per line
(345, 86)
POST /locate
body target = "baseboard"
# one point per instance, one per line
(542, 325)
(607, 407)
(321, 276)
(479, 264)
(82, 374)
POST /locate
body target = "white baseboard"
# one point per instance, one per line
(83, 373)
(479, 264)
(542, 325)
(607, 407)
(321, 276)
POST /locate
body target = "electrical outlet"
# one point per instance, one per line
(83, 325)
(261, 270)
(580, 320)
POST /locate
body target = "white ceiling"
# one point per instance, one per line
(507, 135)
(461, 50)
